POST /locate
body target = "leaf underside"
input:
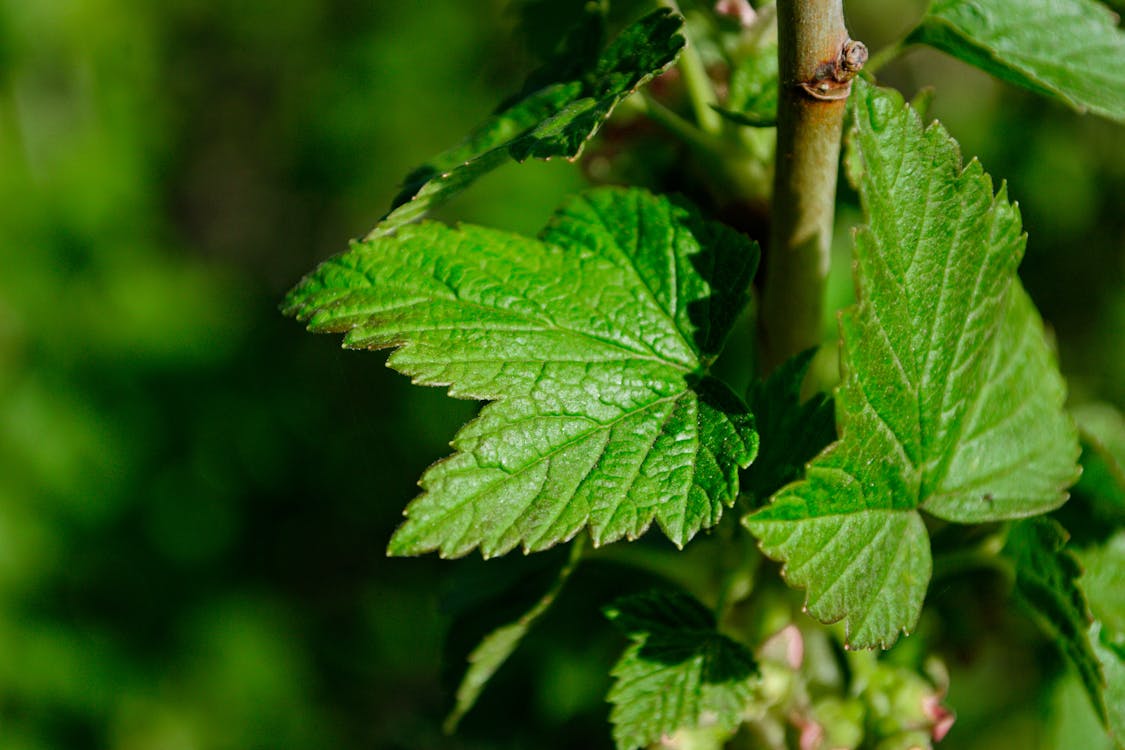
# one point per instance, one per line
(678, 673)
(593, 343)
(1070, 50)
(950, 401)
(559, 110)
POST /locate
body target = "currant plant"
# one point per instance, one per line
(947, 444)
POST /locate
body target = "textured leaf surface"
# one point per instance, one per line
(678, 673)
(491, 653)
(1071, 50)
(595, 340)
(561, 108)
(950, 400)
(790, 433)
(1046, 584)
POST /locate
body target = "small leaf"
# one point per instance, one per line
(746, 119)
(1102, 429)
(950, 402)
(491, 653)
(753, 91)
(1104, 585)
(791, 433)
(679, 673)
(1045, 584)
(1110, 650)
(1071, 50)
(1104, 581)
(593, 341)
(558, 112)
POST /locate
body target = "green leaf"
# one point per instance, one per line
(491, 653)
(1071, 50)
(753, 91)
(791, 433)
(1046, 576)
(1109, 646)
(950, 401)
(593, 341)
(1102, 429)
(1104, 581)
(559, 110)
(582, 24)
(678, 673)
(1104, 586)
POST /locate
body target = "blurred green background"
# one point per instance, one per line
(194, 493)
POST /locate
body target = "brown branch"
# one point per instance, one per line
(817, 62)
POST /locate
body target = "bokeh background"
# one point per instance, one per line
(195, 494)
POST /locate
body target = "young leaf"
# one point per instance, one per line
(678, 673)
(753, 92)
(1045, 584)
(491, 653)
(1071, 50)
(1104, 585)
(1104, 581)
(593, 341)
(1109, 647)
(559, 111)
(791, 433)
(950, 400)
(1102, 429)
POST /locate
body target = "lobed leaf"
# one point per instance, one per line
(950, 401)
(593, 341)
(678, 673)
(561, 108)
(1071, 50)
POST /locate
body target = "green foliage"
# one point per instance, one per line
(1046, 576)
(752, 96)
(1104, 586)
(678, 673)
(491, 653)
(1071, 50)
(193, 494)
(595, 338)
(791, 433)
(1102, 430)
(950, 403)
(561, 107)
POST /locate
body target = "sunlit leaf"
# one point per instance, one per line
(950, 403)
(593, 341)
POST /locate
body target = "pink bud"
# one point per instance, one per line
(940, 717)
(738, 9)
